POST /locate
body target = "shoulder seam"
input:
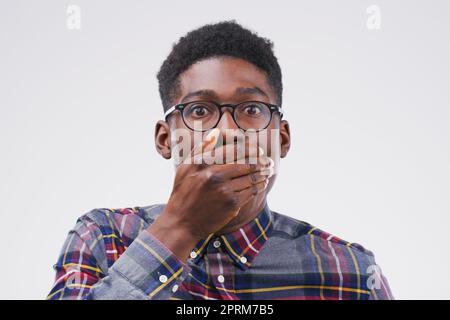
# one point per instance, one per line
(312, 230)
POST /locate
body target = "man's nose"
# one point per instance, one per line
(227, 121)
(228, 127)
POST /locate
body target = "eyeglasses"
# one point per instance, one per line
(248, 115)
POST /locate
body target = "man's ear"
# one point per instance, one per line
(285, 138)
(162, 139)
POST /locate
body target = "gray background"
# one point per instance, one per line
(369, 114)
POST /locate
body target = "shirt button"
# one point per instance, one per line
(221, 279)
(243, 259)
(216, 244)
(193, 254)
(163, 278)
(175, 288)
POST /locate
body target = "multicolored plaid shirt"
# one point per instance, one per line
(109, 254)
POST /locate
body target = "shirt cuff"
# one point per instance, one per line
(150, 266)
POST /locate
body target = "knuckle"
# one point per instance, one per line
(214, 179)
(223, 191)
(204, 177)
(232, 201)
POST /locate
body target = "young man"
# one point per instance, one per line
(216, 237)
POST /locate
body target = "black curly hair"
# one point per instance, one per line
(227, 38)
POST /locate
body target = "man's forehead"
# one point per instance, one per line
(224, 78)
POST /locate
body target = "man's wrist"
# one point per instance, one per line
(178, 239)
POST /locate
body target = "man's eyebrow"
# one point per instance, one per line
(211, 94)
(254, 90)
(201, 93)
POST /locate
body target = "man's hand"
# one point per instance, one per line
(205, 198)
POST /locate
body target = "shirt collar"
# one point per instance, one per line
(243, 244)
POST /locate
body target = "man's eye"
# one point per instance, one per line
(252, 110)
(199, 111)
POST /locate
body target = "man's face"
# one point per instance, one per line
(230, 80)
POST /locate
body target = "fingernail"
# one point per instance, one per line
(272, 172)
(211, 135)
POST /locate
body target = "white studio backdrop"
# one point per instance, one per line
(368, 102)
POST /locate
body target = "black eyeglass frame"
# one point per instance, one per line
(272, 107)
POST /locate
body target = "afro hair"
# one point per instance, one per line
(227, 38)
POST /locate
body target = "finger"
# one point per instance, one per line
(231, 170)
(269, 166)
(230, 153)
(241, 153)
(247, 194)
(265, 160)
(246, 181)
(208, 143)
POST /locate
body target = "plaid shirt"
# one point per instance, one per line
(109, 254)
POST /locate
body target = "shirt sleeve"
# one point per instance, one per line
(146, 270)
(377, 283)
